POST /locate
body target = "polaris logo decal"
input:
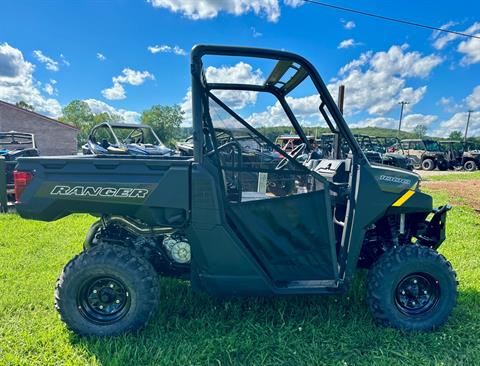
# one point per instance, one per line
(389, 178)
(82, 191)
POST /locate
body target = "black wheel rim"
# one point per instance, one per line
(417, 293)
(103, 300)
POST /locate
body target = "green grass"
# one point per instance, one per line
(191, 329)
(455, 176)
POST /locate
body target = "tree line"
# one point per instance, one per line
(166, 121)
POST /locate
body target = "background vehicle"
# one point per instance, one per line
(255, 155)
(123, 138)
(14, 145)
(382, 145)
(194, 218)
(453, 153)
(426, 154)
(471, 157)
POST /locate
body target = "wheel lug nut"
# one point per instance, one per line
(101, 306)
(111, 285)
(414, 281)
(425, 292)
(413, 303)
(94, 291)
(117, 301)
(403, 292)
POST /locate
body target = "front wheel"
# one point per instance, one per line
(470, 166)
(411, 287)
(106, 291)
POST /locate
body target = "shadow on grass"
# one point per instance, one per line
(197, 329)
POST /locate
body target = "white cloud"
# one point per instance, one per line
(186, 107)
(64, 60)
(98, 106)
(458, 122)
(132, 77)
(50, 64)
(294, 3)
(377, 81)
(445, 38)
(348, 24)
(409, 122)
(207, 9)
(167, 49)
(347, 43)
(471, 49)
(116, 92)
(49, 89)
(255, 33)
(242, 73)
(101, 56)
(128, 76)
(473, 100)
(17, 82)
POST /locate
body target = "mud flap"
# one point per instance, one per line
(434, 234)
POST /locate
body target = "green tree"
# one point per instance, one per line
(420, 131)
(25, 105)
(455, 135)
(165, 121)
(79, 114)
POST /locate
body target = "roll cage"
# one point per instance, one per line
(285, 62)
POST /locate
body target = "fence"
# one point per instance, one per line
(6, 184)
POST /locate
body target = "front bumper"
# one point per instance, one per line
(434, 234)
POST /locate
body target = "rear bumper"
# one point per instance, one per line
(434, 234)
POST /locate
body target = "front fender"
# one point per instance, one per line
(434, 234)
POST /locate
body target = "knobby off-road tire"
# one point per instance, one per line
(428, 164)
(470, 166)
(412, 288)
(108, 290)
(443, 166)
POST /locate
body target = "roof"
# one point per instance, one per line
(38, 115)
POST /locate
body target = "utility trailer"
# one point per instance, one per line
(193, 218)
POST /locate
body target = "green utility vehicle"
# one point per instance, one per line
(193, 218)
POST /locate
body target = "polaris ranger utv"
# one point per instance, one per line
(192, 218)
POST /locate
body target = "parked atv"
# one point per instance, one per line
(426, 154)
(454, 151)
(382, 145)
(124, 139)
(193, 218)
(471, 157)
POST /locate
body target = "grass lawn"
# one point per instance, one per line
(192, 329)
(455, 176)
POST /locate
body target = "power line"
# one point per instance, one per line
(390, 19)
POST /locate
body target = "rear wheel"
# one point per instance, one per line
(428, 164)
(443, 166)
(106, 291)
(411, 288)
(470, 166)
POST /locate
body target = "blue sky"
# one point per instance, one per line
(49, 54)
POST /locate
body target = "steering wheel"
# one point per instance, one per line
(295, 153)
(135, 137)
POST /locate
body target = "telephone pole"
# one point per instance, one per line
(402, 104)
(466, 128)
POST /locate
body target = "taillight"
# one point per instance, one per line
(21, 180)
